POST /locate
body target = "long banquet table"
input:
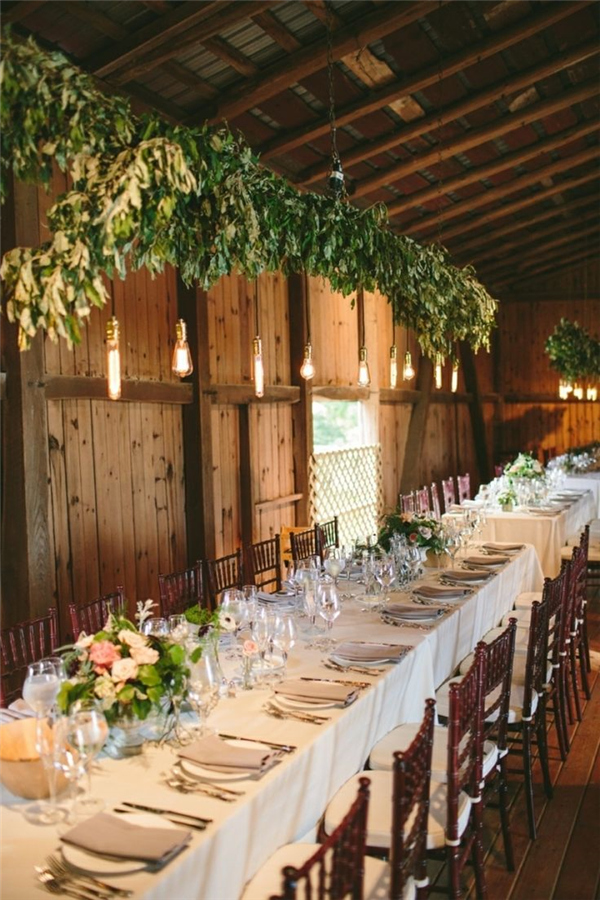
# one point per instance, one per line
(585, 481)
(548, 532)
(285, 804)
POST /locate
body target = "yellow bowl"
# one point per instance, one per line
(21, 769)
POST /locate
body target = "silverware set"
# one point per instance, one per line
(285, 748)
(278, 713)
(172, 815)
(192, 784)
(58, 878)
(358, 684)
(360, 670)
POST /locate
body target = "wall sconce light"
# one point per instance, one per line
(113, 358)
(181, 364)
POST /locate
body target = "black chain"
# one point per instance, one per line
(335, 179)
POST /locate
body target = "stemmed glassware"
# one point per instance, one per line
(334, 563)
(84, 733)
(328, 605)
(284, 634)
(385, 573)
(40, 690)
(451, 538)
(413, 560)
(156, 627)
(234, 604)
(203, 687)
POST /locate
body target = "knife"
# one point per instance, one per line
(360, 684)
(285, 748)
(165, 812)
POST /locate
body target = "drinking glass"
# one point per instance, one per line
(284, 634)
(262, 631)
(233, 603)
(250, 592)
(328, 605)
(204, 683)
(155, 627)
(385, 573)
(413, 559)
(40, 690)
(86, 734)
(178, 629)
(334, 563)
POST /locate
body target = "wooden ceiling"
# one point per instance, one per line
(474, 121)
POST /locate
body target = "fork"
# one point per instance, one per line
(61, 870)
(300, 717)
(360, 670)
(197, 779)
(61, 886)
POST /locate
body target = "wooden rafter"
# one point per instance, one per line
(538, 249)
(276, 78)
(566, 260)
(231, 55)
(518, 183)
(483, 239)
(276, 31)
(440, 117)
(425, 78)
(477, 136)
(505, 162)
(20, 11)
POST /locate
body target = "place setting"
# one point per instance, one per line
(207, 762)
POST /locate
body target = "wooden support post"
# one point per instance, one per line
(246, 492)
(416, 430)
(482, 455)
(27, 567)
(197, 431)
(302, 425)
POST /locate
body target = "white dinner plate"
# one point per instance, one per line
(294, 703)
(362, 664)
(195, 769)
(93, 864)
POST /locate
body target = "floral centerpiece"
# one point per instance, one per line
(128, 673)
(524, 466)
(507, 498)
(421, 530)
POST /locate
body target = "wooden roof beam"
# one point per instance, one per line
(478, 136)
(499, 248)
(230, 55)
(506, 209)
(507, 161)
(451, 65)
(538, 248)
(276, 31)
(279, 76)
(454, 111)
(564, 260)
(459, 248)
(516, 184)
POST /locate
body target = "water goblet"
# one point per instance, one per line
(250, 592)
(40, 690)
(385, 573)
(204, 685)
(328, 605)
(156, 626)
(86, 734)
(285, 633)
(178, 629)
(334, 563)
(233, 604)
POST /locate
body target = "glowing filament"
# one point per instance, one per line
(307, 369)
(259, 372)
(182, 358)
(393, 366)
(113, 358)
(364, 375)
(408, 372)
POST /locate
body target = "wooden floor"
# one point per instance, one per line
(564, 862)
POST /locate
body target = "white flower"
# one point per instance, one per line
(84, 641)
(425, 532)
(124, 669)
(144, 611)
(144, 656)
(104, 689)
(132, 638)
(227, 622)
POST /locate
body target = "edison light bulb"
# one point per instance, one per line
(454, 381)
(259, 372)
(568, 388)
(592, 392)
(182, 358)
(578, 392)
(307, 369)
(562, 390)
(113, 358)
(393, 366)
(438, 371)
(408, 373)
(364, 375)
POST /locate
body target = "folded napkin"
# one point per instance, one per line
(410, 611)
(316, 691)
(503, 548)
(213, 753)
(21, 707)
(438, 592)
(462, 575)
(109, 835)
(482, 560)
(265, 597)
(358, 651)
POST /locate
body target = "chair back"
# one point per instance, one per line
(222, 573)
(91, 617)
(410, 807)
(407, 503)
(448, 493)
(465, 741)
(328, 535)
(536, 661)
(496, 686)
(555, 594)
(422, 501)
(286, 543)
(262, 563)
(435, 501)
(464, 487)
(336, 869)
(180, 590)
(305, 544)
(22, 644)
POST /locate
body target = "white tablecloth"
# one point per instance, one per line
(589, 482)
(287, 802)
(547, 533)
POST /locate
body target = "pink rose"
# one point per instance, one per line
(412, 537)
(103, 654)
(124, 669)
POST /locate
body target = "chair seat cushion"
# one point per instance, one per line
(400, 739)
(523, 617)
(521, 638)
(379, 822)
(268, 881)
(515, 712)
(525, 599)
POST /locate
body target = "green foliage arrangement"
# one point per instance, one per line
(573, 352)
(424, 531)
(146, 193)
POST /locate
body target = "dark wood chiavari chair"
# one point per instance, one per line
(448, 493)
(180, 590)
(91, 617)
(22, 644)
(222, 573)
(422, 503)
(463, 483)
(305, 544)
(262, 563)
(407, 503)
(578, 649)
(435, 501)
(329, 536)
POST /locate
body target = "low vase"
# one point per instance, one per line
(436, 560)
(126, 738)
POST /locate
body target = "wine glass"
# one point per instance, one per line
(413, 559)
(86, 734)
(385, 573)
(178, 629)
(328, 605)
(156, 626)
(451, 539)
(250, 592)
(40, 690)
(334, 564)
(262, 631)
(233, 604)
(284, 634)
(204, 683)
